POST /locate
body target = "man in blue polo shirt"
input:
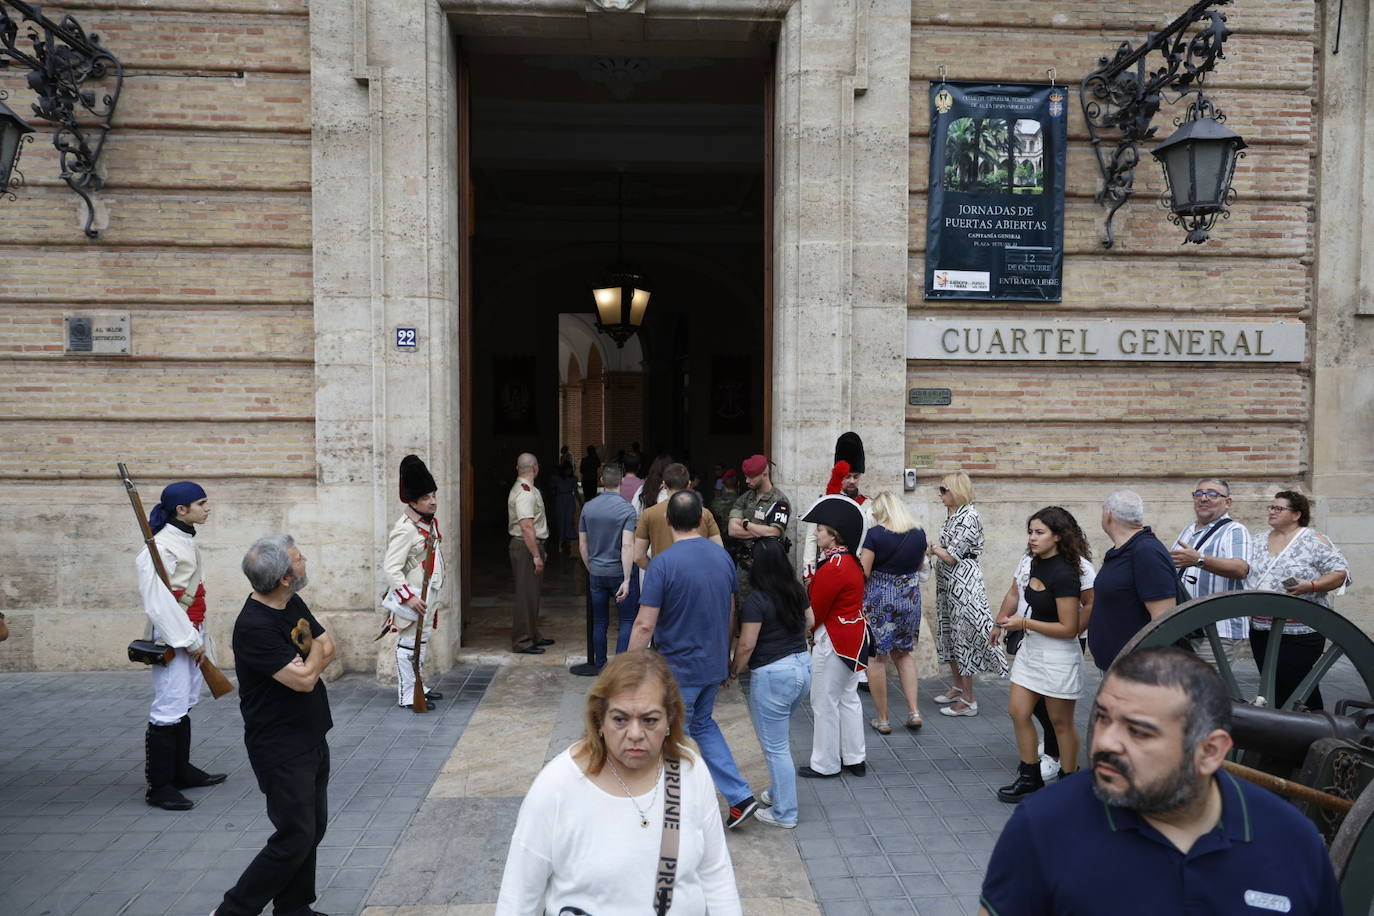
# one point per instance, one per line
(1136, 583)
(1157, 826)
(687, 607)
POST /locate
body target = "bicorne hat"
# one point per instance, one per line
(841, 513)
(416, 481)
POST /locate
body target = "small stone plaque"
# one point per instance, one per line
(99, 334)
(929, 397)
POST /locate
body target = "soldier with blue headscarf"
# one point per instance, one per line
(177, 620)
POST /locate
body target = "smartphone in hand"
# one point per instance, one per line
(1289, 582)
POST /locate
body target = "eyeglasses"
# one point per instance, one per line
(1210, 494)
(943, 490)
(1282, 509)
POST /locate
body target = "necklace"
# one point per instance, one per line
(643, 812)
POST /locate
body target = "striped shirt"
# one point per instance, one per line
(1230, 542)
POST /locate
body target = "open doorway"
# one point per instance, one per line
(566, 149)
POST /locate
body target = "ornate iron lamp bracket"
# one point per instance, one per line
(1122, 95)
(63, 58)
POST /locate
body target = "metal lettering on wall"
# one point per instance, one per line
(1107, 339)
(104, 334)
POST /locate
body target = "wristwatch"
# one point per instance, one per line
(1201, 561)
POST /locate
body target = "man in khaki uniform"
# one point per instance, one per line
(528, 528)
(762, 511)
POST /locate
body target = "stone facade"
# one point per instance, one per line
(282, 195)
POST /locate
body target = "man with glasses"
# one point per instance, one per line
(1212, 555)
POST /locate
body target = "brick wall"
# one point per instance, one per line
(208, 248)
(1038, 433)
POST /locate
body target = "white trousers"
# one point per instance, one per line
(176, 688)
(838, 731)
(405, 665)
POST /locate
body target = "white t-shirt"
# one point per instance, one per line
(1086, 576)
(578, 846)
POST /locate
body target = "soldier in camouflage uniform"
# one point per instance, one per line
(762, 511)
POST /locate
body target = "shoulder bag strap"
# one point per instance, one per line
(1205, 538)
(672, 827)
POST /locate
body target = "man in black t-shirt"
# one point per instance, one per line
(280, 650)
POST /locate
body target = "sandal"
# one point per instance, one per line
(914, 721)
(880, 726)
(952, 695)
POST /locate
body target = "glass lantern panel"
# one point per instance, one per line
(638, 305)
(1176, 168)
(1209, 164)
(608, 304)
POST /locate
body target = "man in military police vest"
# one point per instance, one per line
(178, 620)
(528, 528)
(412, 549)
(762, 511)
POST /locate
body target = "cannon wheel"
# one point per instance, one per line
(1351, 852)
(1344, 637)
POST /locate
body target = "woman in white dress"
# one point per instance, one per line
(1049, 663)
(590, 830)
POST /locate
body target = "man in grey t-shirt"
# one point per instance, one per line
(606, 540)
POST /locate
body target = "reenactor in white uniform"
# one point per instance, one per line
(412, 549)
(177, 619)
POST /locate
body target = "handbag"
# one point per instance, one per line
(672, 831)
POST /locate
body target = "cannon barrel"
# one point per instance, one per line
(1287, 734)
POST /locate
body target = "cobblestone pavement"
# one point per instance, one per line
(422, 806)
(77, 838)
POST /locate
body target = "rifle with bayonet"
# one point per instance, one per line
(418, 701)
(156, 653)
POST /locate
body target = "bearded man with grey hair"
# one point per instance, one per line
(1136, 583)
(280, 650)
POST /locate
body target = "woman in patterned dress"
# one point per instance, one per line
(963, 620)
(894, 550)
(1291, 557)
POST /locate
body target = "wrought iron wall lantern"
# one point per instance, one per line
(14, 133)
(61, 58)
(621, 299)
(1199, 158)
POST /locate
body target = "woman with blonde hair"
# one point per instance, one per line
(963, 618)
(590, 831)
(893, 552)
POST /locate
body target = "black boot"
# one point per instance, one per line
(1027, 781)
(187, 776)
(160, 749)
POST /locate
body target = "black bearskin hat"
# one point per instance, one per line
(416, 481)
(849, 447)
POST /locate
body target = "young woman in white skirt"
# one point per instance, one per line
(1049, 663)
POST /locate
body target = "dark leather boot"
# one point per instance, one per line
(187, 776)
(1027, 781)
(160, 756)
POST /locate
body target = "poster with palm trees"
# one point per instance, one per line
(996, 209)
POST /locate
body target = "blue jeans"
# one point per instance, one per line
(701, 704)
(602, 589)
(775, 692)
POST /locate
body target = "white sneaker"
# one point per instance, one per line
(1040, 749)
(1049, 767)
(766, 817)
(765, 799)
(970, 709)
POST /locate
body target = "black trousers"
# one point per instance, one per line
(1297, 656)
(297, 805)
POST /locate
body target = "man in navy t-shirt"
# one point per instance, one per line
(1137, 581)
(687, 607)
(1157, 826)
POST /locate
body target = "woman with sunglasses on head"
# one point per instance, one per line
(1049, 665)
(963, 618)
(1291, 557)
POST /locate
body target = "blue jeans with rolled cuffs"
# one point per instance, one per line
(700, 703)
(775, 692)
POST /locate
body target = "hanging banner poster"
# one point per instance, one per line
(995, 218)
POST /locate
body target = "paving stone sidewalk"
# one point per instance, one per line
(76, 837)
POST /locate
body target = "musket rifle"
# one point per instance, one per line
(218, 683)
(418, 701)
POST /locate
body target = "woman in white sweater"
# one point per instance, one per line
(589, 833)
